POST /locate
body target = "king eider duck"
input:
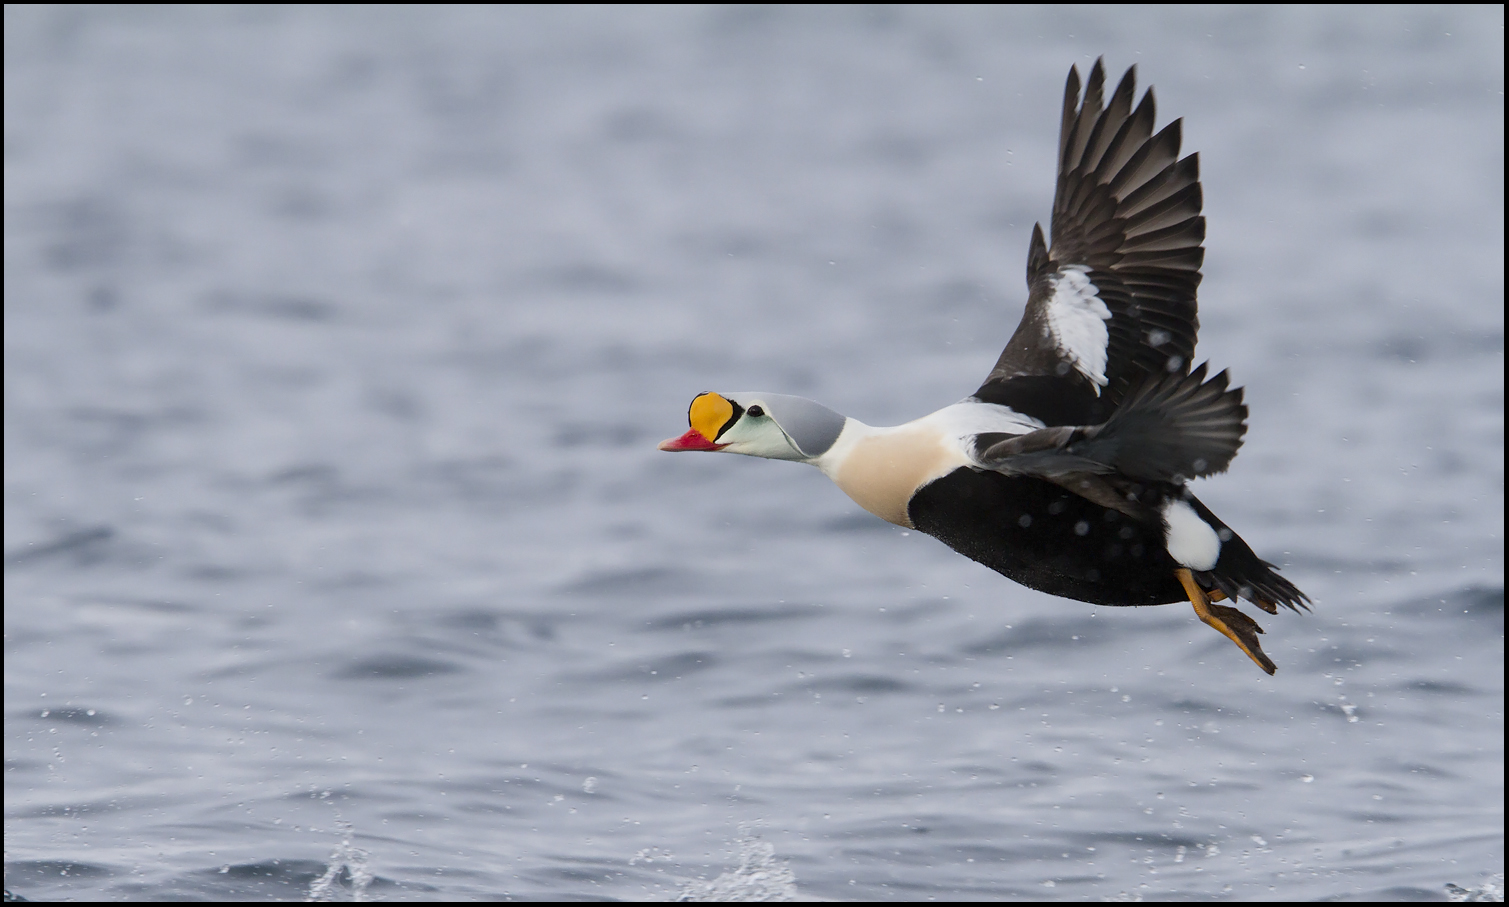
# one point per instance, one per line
(1067, 470)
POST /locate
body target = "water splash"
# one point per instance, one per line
(759, 876)
(1492, 890)
(346, 874)
(650, 855)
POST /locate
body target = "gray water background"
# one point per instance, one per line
(338, 342)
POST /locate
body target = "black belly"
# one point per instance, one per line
(1048, 539)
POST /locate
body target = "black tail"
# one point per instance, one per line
(1242, 574)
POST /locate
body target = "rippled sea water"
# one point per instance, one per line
(340, 560)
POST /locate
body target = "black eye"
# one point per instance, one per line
(757, 410)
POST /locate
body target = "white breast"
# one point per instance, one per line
(881, 468)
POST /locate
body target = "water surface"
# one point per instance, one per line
(339, 553)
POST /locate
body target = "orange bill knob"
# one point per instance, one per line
(708, 415)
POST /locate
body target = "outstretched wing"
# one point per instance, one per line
(1112, 302)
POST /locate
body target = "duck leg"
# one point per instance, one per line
(1229, 622)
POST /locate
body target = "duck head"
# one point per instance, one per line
(773, 426)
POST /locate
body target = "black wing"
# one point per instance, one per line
(1112, 303)
(1172, 429)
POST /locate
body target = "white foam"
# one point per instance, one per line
(346, 873)
(759, 877)
(1492, 890)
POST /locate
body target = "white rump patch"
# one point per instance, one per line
(1077, 323)
(1190, 540)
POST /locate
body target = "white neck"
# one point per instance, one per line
(880, 468)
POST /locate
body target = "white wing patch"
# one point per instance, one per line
(1077, 323)
(1190, 540)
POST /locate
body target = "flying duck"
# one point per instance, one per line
(1067, 470)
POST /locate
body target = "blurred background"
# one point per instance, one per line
(340, 560)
